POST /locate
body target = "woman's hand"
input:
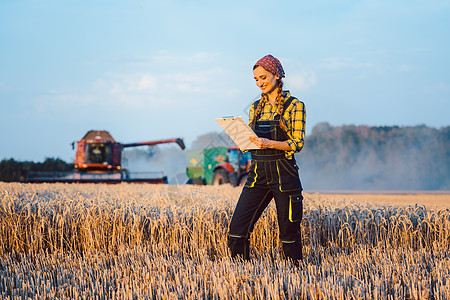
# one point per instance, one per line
(262, 143)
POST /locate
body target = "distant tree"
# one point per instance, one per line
(385, 157)
(12, 170)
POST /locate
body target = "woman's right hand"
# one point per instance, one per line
(262, 143)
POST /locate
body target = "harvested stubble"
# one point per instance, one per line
(169, 242)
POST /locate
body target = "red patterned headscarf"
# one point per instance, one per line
(271, 64)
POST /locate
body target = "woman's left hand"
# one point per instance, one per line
(262, 143)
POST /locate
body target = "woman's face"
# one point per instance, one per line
(265, 80)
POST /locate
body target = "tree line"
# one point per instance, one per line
(385, 157)
(12, 170)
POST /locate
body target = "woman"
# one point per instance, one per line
(278, 120)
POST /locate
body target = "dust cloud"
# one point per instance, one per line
(335, 158)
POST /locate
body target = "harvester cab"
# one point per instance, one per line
(98, 151)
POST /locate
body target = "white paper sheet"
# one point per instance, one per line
(239, 131)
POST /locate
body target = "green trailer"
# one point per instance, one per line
(217, 166)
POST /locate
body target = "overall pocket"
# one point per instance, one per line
(288, 178)
(290, 166)
(295, 208)
(252, 175)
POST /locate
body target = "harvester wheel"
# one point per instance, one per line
(220, 177)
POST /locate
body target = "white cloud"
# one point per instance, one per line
(301, 81)
(144, 85)
(172, 77)
(146, 82)
(126, 83)
(133, 90)
(172, 85)
(115, 88)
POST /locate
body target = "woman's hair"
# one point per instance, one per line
(279, 102)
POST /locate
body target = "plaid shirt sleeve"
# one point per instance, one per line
(295, 115)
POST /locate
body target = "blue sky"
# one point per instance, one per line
(147, 70)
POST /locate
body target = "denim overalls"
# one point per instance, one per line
(271, 175)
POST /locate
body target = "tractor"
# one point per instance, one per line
(217, 166)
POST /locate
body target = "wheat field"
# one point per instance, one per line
(135, 241)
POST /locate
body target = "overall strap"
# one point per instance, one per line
(287, 103)
(255, 105)
(285, 106)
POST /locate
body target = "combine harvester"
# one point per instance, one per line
(98, 160)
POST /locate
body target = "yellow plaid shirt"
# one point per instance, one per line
(295, 117)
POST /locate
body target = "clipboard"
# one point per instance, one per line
(239, 131)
